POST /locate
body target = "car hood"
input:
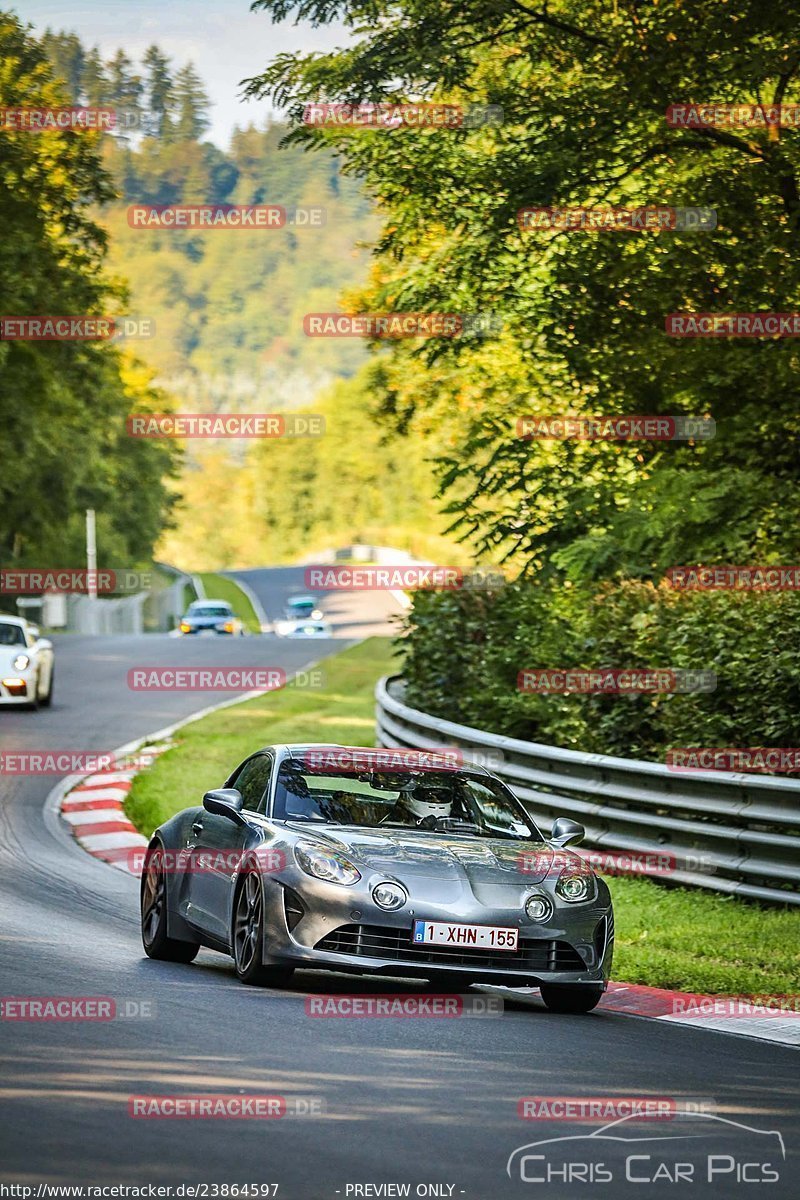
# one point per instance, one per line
(206, 621)
(494, 869)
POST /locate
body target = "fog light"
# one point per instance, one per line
(538, 907)
(17, 687)
(389, 896)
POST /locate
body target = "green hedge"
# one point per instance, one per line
(465, 649)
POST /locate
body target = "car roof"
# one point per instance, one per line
(208, 600)
(305, 598)
(7, 619)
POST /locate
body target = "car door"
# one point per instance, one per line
(216, 844)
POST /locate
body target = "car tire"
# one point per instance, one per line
(248, 936)
(46, 701)
(153, 904)
(33, 705)
(571, 998)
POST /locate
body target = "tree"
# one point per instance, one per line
(191, 104)
(94, 82)
(67, 55)
(584, 87)
(126, 91)
(63, 404)
(160, 94)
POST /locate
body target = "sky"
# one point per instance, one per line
(224, 40)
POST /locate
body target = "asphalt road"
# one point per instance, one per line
(421, 1102)
(352, 614)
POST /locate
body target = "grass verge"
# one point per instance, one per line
(666, 937)
(206, 751)
(220, 587)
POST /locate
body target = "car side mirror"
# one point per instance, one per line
(566, 833)
(44, 644)
(225, 802)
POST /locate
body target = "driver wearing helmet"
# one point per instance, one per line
(427, 803)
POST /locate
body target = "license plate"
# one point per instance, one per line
(464, 937)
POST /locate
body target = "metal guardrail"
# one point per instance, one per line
(727, 832)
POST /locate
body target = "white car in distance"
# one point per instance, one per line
(26, 664)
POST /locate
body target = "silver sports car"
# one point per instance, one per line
(381, 862)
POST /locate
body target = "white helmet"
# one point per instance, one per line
(430, 802)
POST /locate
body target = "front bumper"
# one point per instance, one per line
(210, 630)
(340, 930)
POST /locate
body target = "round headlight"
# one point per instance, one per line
(538, 907)
(576, 886)
(325, 864)
(21, 662)
(389, 896)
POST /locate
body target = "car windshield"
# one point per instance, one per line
(210, 610)
(437, 801)
(11, 635)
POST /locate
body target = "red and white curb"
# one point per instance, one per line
(94, 809)
(764, 1018)
(93, 805)
(769, 1018)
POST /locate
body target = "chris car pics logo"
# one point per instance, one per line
(693, 1147)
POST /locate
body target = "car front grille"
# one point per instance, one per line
(381, 941)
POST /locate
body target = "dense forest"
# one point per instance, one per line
(589, 528)
(228, 307)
